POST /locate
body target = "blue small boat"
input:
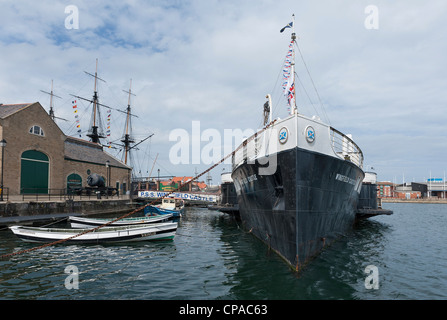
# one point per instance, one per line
(173, 206)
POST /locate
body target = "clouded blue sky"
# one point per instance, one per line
(214, 62)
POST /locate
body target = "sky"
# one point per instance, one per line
(378, 66)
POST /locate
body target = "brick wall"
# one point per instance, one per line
(15, 130)
(16, 133)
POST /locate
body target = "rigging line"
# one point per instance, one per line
(305, 91)
(276, 85)
(142, 207)
(279, 97)
(275, 105)
(74, 122)
(136, 171)
(69, 99)
(131, 154)
(313, 84)
(145, 161)
(159, 164)
(103, 105)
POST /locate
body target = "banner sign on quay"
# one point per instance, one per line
(181, 195)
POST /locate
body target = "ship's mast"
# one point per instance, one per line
(295, 109)
(94, 135)
(51, 112)
(127, 140)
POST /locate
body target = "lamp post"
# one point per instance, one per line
(108, 172)
(158, 179)
(2, 145)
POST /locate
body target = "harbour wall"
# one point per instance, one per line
(424, 200)
(30, 212)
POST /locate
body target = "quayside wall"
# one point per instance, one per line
(30, 211)
(424, 200)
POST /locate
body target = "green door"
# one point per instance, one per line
(34, 172)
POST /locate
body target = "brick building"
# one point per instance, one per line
(385, 189)
(39, 157)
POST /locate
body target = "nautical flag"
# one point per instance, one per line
(108, 125)
(290, 25)
(291, 89)
(290, 95)
(287, 68)
(289, 86)
(75, 111)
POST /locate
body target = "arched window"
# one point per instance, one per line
(36, 130)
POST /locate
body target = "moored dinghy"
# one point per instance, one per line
(173, 206)
(155, 231)
(82, 222)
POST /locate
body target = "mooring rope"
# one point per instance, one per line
(142, 207)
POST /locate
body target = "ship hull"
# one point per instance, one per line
(305, 205)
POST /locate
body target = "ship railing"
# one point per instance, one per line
(243, 154)
(345, 148)
(251, 150)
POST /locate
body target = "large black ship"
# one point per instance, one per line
(298, 181)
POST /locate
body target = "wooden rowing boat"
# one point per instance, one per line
(82, 222)
(154, 231)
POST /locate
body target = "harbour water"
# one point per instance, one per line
(213, 258)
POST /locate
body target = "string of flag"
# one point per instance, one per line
(288, 84)
(75, 111)
(109, 113)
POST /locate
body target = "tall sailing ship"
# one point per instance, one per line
(298, 181)
(96, 131)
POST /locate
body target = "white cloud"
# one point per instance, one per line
(214, 61)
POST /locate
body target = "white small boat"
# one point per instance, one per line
(155, 231)
(82, 222)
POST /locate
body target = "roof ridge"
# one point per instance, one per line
(83, 142)
(8, 109)
(15, 104)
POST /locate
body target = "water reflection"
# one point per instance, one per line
(212, 257)
(337, 273)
